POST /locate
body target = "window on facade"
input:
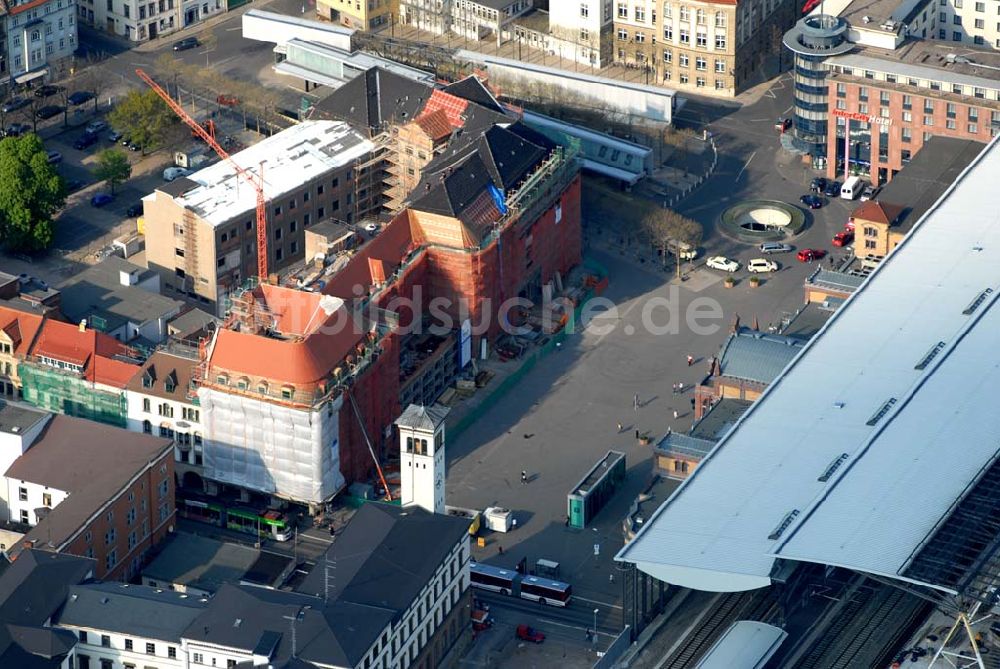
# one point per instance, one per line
(668, 56)
(584, 10)
(720, 66)
(928, 120)
(720, 19)
(106, 641)
(685, 36)
(622, 10)
(685, 14)
(701, 39)
(640, 37)
(906, 135)
(622, 35)
(668, 32)
(150, 649)
(640, 13)
(683, 60)
(720, 42)
(47, 500)
(22, 494)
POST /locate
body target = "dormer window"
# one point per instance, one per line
(287, 392)
(222, 380)
(171, 383)
(147, 381)
(243, 383)
(262, 388)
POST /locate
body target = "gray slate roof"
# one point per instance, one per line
(386, 555)
(35, 585)
(133, 610)
(249, 618)
(755, 356)
(420, 417)
(842, 281)
(97, 291)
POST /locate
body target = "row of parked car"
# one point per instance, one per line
(20, 102)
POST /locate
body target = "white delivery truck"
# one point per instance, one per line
(852, 188)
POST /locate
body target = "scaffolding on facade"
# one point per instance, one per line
(66, 392)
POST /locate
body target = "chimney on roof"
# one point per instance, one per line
(83, 325)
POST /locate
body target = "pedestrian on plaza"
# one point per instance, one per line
(680, 387)
(673, 388)
(513, 523)
(675, 414)
(690, 360)
(524, 477)
(637, 434)
(620, 427)
(611, 578)
(635, 401)
(500, 549)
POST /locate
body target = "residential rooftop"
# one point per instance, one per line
(18, 419)
(131, 610)
(91, 461)
(107, 295)
(755, 356)
(161, 371)
(289, 159)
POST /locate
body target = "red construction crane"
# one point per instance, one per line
(255, 180)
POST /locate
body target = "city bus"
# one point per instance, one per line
(270, 524)
(545, 591)
(492, 578)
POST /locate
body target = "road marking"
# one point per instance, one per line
(319, 539)
(594, 601)
(202, 53)
(745, 165)
(229, 30)
(572, 627)
(788, 110)
(759, 120)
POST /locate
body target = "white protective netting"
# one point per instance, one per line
(291, 453)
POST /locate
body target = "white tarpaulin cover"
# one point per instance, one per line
(287, 452)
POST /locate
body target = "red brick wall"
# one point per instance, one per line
(915, 125)
(146, 487)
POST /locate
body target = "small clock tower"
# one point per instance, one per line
(421, 456)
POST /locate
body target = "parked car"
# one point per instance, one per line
(808, 255)
(832, 189)
(15, 103)
(869, 193)
(101, 199)
(227, 100)
(134, 210)
(80, 97)
(85, 141)
(48, 111)
(74, 185)
(526, 633)
(47, 90)
(722, 263)
(774, 247)
(186, 43)
(53, 157)
(783, 124)
(811, 201)
(129, 144)
(96, 126)
(172, 173)
(16, 129)
(843, 238)
(114, 137)
(762, 265)
(817, 185)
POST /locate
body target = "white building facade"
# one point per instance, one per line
(26, 500)
(38, 40)
(421, 457)
(586, 23)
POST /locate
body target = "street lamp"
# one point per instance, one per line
(595, 626)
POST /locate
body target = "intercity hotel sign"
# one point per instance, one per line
(858, 116)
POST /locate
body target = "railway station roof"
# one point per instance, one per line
(871, 451)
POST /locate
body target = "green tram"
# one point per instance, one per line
(268, 524)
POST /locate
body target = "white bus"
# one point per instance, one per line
(545, 591)
(492, 578)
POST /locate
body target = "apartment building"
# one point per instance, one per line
(65, 368)
(17, 334)
(711, 48)
(587, 23)
(162, 401)
(126, 625)
(486, 19)
(93, 490)
(359, 14)
(37, 39)
(201, 230)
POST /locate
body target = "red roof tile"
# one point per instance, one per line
(391, 246)
(877, 212)
(324, 333)
(453, 106)
(90, 349)
(21, 327)
(435, 124)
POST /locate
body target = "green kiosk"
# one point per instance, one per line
(597, 487)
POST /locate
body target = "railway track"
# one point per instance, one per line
(727, 609)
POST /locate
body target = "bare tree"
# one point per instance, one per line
(678, 138)
(669, 232)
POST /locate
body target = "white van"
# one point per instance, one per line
(852, 188)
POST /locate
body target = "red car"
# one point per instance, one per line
(527, 633)
(808, 255)
(843, 238)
